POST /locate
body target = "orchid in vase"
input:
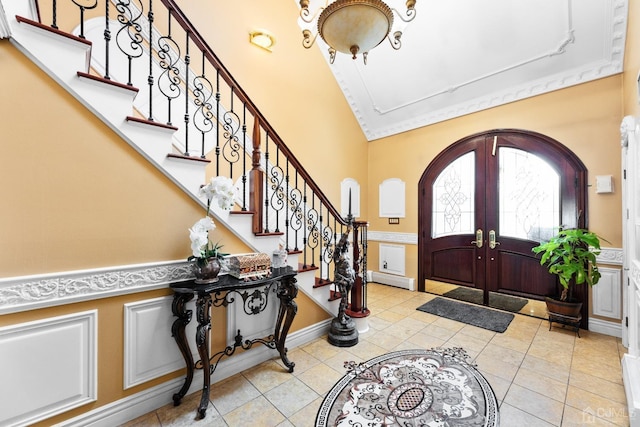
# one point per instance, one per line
(206, 254)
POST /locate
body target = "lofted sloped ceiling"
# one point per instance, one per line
(463, 56)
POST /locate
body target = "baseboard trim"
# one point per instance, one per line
(151, 399)
(390, 279)
(605, 327)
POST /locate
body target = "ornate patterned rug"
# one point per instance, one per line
(437, 387)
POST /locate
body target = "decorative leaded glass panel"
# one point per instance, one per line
(529, 196)
(453, 202)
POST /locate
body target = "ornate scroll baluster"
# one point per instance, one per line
(128, 37)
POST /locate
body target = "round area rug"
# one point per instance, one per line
(437, 387)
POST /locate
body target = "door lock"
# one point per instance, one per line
(492, 239)
(478, 241)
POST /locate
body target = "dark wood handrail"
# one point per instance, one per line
(197, 38)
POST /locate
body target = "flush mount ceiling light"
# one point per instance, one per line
(262, 39)
(354, 26)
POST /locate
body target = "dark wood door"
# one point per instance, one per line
(487, 200)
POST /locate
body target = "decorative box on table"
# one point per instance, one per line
(250, 266)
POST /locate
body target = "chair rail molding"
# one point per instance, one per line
(611, 256)
(45, 290)
(393, 237)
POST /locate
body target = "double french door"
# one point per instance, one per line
(487, 200)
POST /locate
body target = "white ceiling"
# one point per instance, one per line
(462, 56)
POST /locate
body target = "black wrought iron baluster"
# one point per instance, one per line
(312, 229)
(231, 126)
(203, 116)
(297, 215)
(54, 19)
(128, 36)
(304, 219)
(326, 254)
(169, 80)
(276, 177)
(150, 80)
(82, 8)
(244, 157)
(266, 184)
(321, 239)
(287, 204)
(187, 61)
(107, 39)
(333, 246)
(217, 122)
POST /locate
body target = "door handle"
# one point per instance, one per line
(492, 239)
(478, 241)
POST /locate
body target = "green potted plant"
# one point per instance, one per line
(570, 255)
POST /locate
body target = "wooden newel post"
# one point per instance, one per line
(356, 290)
(256, 180)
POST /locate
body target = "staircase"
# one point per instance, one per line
(179, 108)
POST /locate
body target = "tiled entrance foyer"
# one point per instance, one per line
(541, 377)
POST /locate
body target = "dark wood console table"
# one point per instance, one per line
(222, 293)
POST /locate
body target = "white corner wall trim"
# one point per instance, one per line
(65, 374)
(149, 400)
(45, 290)
(391, 237)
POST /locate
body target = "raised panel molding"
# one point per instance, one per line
(392, 198)
(606, 294)
(47, 367)
(149, 349)
(392, 259)
(45, 290)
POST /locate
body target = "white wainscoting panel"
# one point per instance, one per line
(149, 349)
(47, 367)
(606, 294)
(392, 259)
(392, 198)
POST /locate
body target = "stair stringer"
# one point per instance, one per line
(63, 57)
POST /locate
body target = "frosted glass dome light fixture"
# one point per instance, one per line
(354, 26)
(262, 39)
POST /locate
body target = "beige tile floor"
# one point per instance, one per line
(540, 377)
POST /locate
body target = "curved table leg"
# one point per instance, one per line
(287, 292)
(203, 306)
(178, 333)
